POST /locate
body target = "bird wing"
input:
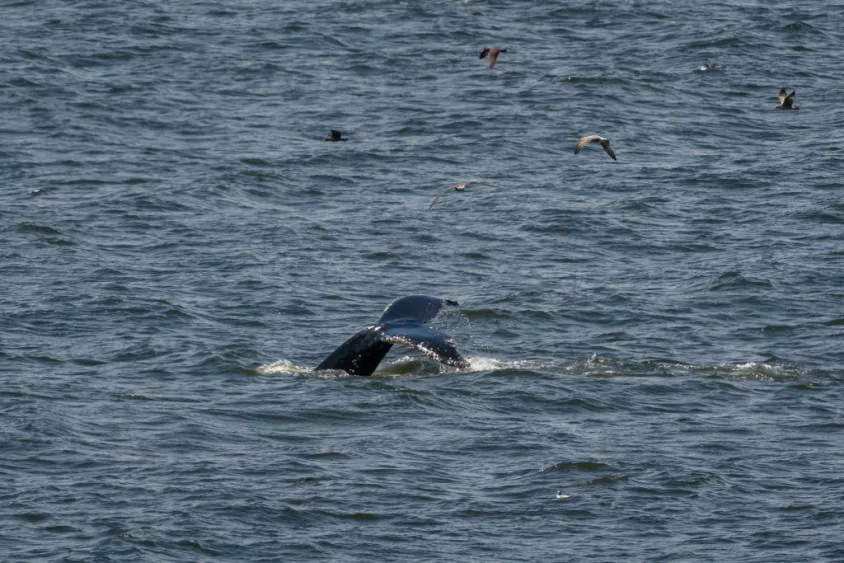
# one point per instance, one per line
(441, 194)
(438, 198)
(606, 144)
(484, 52)
(789, 100)
(782, 96)
(583, 141)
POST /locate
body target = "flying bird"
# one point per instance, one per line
(456, 187)
(787, 102)
(491, 54)
(335, 136)
(583, 141)
(706, 67)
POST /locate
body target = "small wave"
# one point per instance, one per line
(35, 228)
(134, 397)
(735, 280)
(588, 465)
(594, 80)
(593, 366)
(797, 507)
(481, 313)
(34, 516)
(607, 480)
(761, 371)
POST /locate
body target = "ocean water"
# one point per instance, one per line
(659, 337)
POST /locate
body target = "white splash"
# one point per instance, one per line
(282, 367)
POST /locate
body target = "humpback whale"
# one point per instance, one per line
(403, 322)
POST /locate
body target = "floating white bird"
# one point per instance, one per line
(787, 102)
(456, 187)
(583, 141)
(561, 495)
(491, 53)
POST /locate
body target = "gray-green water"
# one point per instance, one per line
(660, 337)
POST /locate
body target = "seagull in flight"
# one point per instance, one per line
(787, 102)
(491, 54)
(583, 141)
(456, 187)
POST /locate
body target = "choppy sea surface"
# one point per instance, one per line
(660, 338)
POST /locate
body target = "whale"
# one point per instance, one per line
(403, 322)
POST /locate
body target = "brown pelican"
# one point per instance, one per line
(456, 187)
(491, 53)
(336, 136)
(583, 141)
(787, 102)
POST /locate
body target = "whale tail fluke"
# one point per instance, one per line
(426, 340)
(401, 323)
(419, 308)
(360, 354)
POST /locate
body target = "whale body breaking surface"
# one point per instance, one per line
(403, 322)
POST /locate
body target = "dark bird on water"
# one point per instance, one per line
(456, 187)
(787, 102)
(583, 141)
(706, 67)
(491, 54)
(336, 136)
